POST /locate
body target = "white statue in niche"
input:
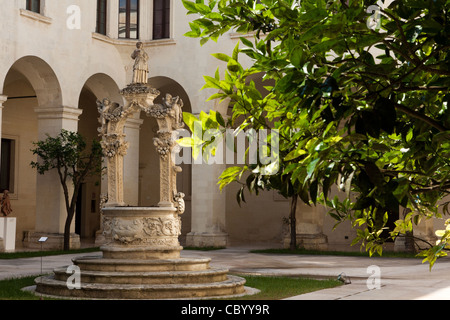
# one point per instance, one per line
(140, 68)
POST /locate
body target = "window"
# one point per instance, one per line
(101, 16)
(129, 19)
(7, 165)
(34, 5)
(161, 19)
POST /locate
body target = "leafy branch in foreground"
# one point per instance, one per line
(361, 108)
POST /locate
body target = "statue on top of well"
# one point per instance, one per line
(140, 68)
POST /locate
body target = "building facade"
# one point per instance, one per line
(57, 58)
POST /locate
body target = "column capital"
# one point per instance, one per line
(3, 99)
(134, 123)
(58, 113)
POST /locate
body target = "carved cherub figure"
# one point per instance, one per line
(6, 204)
(175, 104)
(103, 108)
(109, 111)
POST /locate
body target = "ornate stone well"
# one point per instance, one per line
(141, 257)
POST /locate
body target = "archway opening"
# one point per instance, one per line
(97, 87)
(149, 159)
(31, 86)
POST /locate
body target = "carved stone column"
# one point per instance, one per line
(113, 118)
(142, 232)
(169, 119)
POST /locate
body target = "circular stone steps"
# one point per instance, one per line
(232, 286)
(101, 278)
(161, 277)
(124, 265)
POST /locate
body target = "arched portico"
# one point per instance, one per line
(34, 110)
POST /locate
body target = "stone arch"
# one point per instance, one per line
(42, 78)
(97, 87)
(30, 85)
(103, 86)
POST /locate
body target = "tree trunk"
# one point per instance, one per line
(409, 242)
(293, 223)
(67, 229)
(71, 207)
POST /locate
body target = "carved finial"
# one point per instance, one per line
(179, 202)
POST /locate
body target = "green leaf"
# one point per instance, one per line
(190, 6)
(325, 45)
(246, 42)
(220, 119)
(212, 83)
(311, 168)
(214, 16)
(189, 119)
(374, 173)
(186, 142)
(202, 8)
(295, 154)
(233, 66)
(221, 56)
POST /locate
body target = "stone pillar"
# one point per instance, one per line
(145, 16)
(425, 230)
(112, 29)
(3, 240)
(208, 228)
(2, 102)
(131, 162)
(51, 209)
(8, 234)
(309, 228)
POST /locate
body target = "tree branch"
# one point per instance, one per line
(422, 117)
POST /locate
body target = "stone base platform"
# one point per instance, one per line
(309, 241)
(55, 241)
(102, 278)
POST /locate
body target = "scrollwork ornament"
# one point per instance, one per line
(179, 202)
(113, 145)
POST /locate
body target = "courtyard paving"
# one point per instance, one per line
(371, 278)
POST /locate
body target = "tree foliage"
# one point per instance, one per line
(360, 99)
(68, 155)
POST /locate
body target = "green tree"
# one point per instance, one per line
(360, 100)
(68, 155)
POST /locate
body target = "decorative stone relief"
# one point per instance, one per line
(127, 231)
(164, 144)
(140, 231)
(179, 200)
